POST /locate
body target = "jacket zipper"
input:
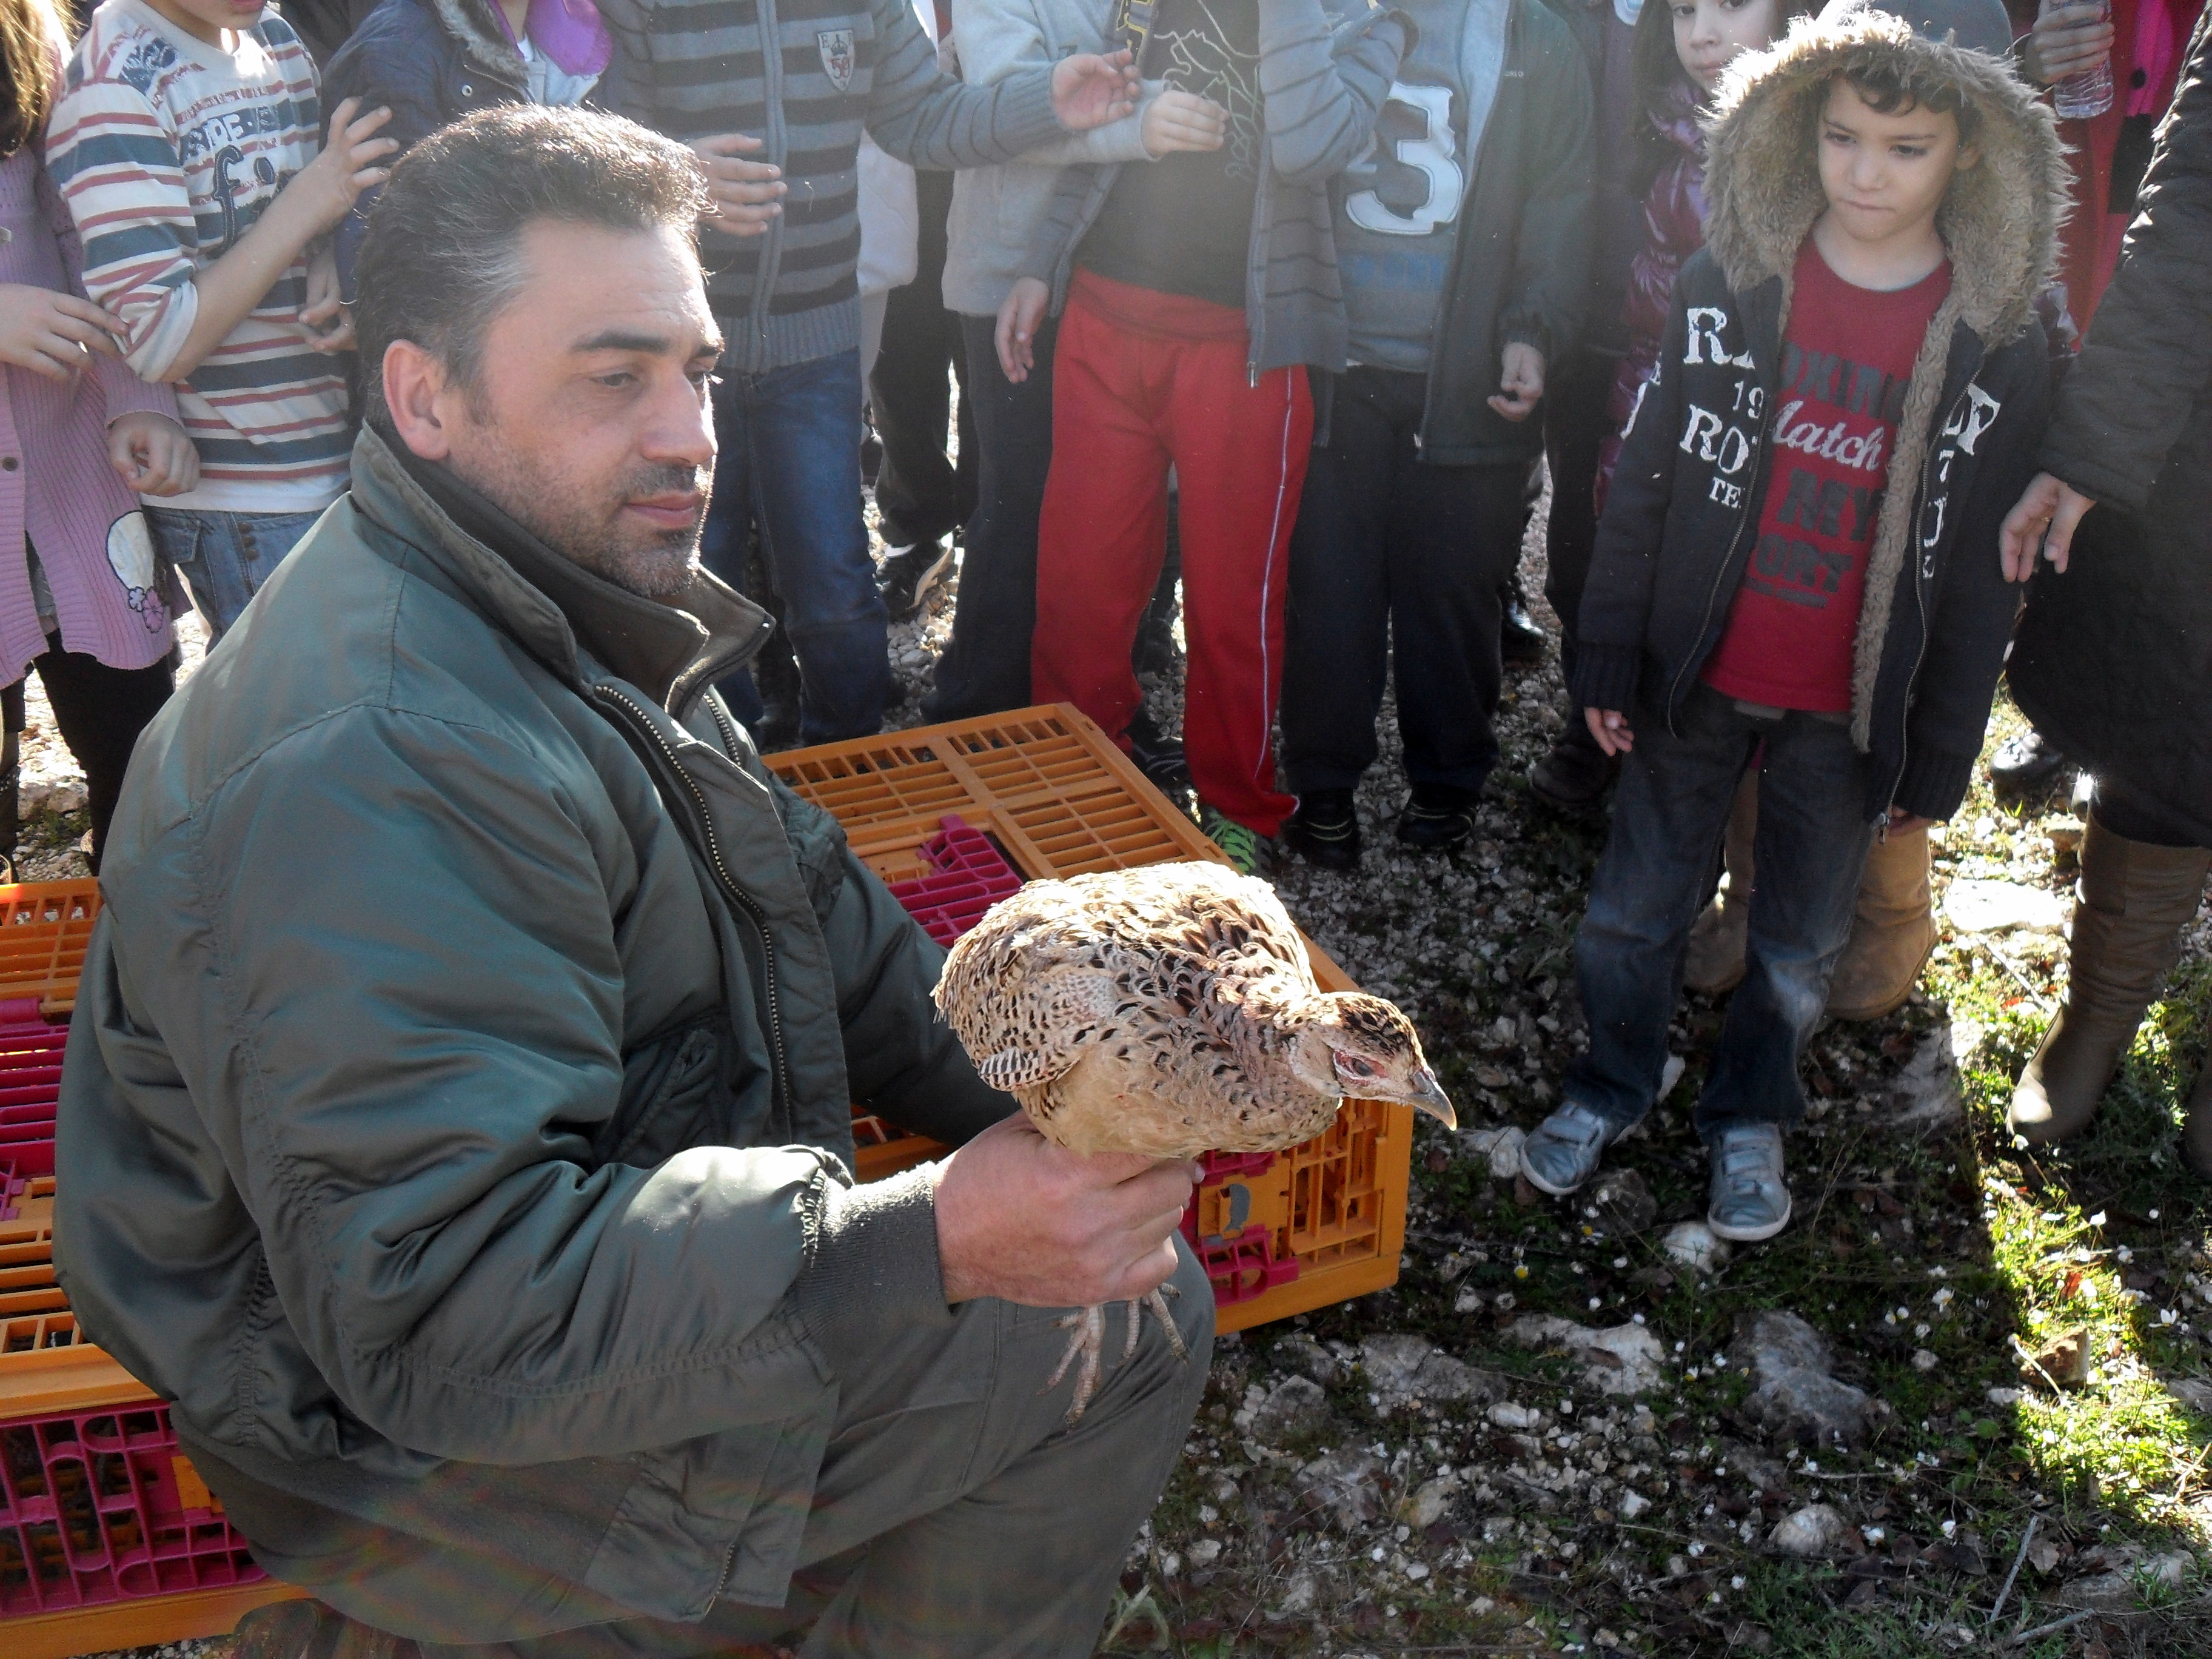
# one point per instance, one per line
(642, 720)
(1743, 518)
(771, 255)
(1509, 65)
(1920, 606)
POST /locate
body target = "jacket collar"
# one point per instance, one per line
(560, 612)
(480, 37)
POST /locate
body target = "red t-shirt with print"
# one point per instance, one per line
(1846, 358)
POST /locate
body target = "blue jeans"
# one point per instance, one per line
(226, 556)
(1669, 816)
(790, 464)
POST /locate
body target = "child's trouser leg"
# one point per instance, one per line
(1102, 531)
(1240, 455)
(1338, 627)
(1454, 539)
(1667, 815)
(1812, 840)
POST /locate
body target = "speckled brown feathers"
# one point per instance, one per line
(1166, 1011)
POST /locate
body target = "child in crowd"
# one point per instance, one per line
(1797, 558)
(1682, 48)
(187, 143)
(1195, 288)
(996, 213)
(82, 598)
(1463, 237)
(431, 62)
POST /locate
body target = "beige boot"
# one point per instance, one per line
(2133, 902)
(2196, 1127)
(1714, 960)
(1891, 933)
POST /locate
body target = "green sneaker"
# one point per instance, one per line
(1242, 845)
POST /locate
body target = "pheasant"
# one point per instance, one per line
(1167, 1011)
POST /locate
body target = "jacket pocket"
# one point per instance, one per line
(670, 1094)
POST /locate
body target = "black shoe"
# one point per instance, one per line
(1436, 820)
(1325, 829)
(1159, 757)
(909, 576)
(1520, 640)
(2023, 762)
(1574, 772)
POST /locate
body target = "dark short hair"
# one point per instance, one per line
(1900, 87)
(442, 257)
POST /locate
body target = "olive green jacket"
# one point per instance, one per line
(462, 1067)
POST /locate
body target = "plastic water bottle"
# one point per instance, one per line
(2085, 96)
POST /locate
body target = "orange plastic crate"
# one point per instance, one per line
(44, 928)
(1320, 1224)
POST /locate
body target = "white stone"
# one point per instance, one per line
(1204, 1552)
(1501, 1146)
(1633, 1504)
(1620, 1359)
(1692, 1244)
(1923, 1360)
(1429, 1502)
(1999, 907)
(1511, 1414)
(1812, 1534)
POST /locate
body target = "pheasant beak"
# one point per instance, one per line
(1429, 1097)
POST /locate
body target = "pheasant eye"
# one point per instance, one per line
(1353, 1065)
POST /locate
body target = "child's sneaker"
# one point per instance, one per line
(1243, 845)
(1750, 1191)
(1563, 1151)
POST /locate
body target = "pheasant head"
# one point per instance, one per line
(1347, 1043)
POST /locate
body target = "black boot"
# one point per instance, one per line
(1574, 772)
(1324, 831)
(1521, 640)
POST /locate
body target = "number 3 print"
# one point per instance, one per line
(1427, 149)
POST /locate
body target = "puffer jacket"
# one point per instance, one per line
(430, 62)
(1694, 469)
(462, 1067)
(1674, 229)
(2114, 658)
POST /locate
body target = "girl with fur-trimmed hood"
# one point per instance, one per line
(431, 62)
(1798, 559)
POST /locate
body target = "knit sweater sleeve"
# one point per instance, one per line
(921, 115)
(1322, 85)
(998, 40)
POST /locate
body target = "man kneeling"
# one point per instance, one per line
(457, 1120)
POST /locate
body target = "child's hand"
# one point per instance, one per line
(1019, 319)
(1183, 120)
(1610, 727)
(151, 453)
(1902, 823)
(2044, 518)
(2066, 40)
(744, 197)
(327, 187)
(49, 333)
(322, 319)
(1092, 89)
(1522, 386)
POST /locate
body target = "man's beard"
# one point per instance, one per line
(654, 564)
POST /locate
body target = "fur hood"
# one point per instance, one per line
(2000, 221)
(471, 23)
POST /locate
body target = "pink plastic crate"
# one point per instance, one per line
(101, 1507)
(971, 875)
(30, 1091)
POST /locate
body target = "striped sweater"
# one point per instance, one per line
(696, 68)
(167, 149)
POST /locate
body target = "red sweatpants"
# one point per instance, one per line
(1126, 404)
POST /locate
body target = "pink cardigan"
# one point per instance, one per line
(57, 492)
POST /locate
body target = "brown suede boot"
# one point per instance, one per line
(2132, 903)
(1714, 960)
(1891, 933)
(2196, 1127)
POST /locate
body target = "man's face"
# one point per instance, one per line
(588, 423)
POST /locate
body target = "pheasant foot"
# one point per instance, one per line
(1088, 1343)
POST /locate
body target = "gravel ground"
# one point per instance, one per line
(1960, 1406)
